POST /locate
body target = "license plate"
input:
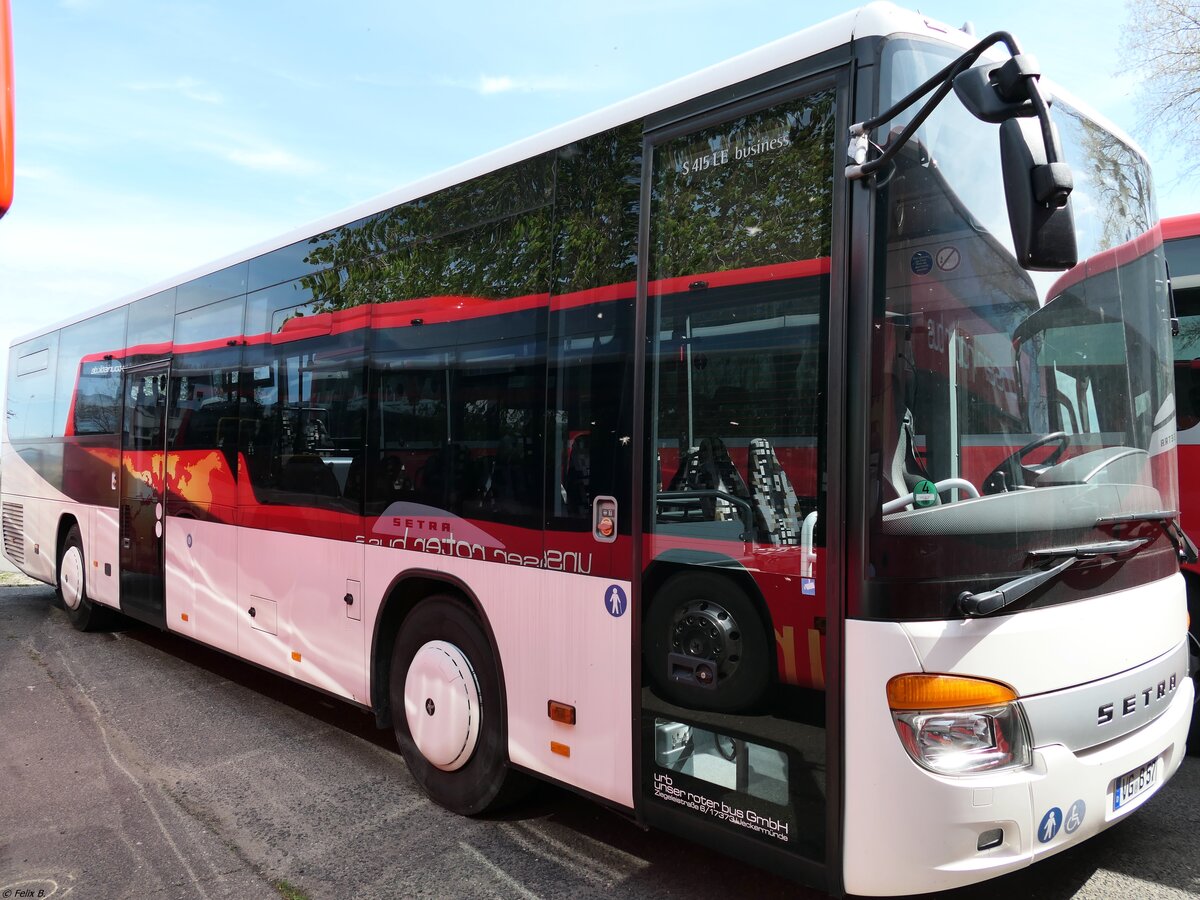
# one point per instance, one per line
(1133, 784)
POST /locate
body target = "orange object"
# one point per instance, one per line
(295, 656)
(921, 691)
(560, 749)
(560, 712)
(6, 108)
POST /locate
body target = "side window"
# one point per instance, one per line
(88, 398)
(204, 411)
(590, 392)
(302, 422)
(30, 389)
(459, 421)
(1183, 258)
(1187, 358)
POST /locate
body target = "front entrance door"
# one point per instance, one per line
(734, 746)
(143, 481)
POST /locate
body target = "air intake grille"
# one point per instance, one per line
(14, 532)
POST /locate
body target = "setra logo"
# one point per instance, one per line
(1151, 696)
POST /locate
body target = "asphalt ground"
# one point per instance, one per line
(138, 764)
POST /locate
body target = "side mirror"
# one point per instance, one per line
(1038, 191)
(1038, 194)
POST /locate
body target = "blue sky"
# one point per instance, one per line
(153, 137)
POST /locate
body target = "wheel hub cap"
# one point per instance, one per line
(441, 705)
(706, 630)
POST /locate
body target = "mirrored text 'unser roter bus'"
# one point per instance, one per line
(784, 457)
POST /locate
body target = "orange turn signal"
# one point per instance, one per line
(920, 691)
(295, 656)
(560, 749)
(560, 712)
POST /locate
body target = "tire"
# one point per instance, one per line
(707, 616)
(447, 712)
(83, 614)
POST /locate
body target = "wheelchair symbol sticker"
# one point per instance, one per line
(1075, 816)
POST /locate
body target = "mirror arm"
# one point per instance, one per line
(944, 81)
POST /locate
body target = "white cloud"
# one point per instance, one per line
(191, 88)
(35, 173)
(272, 159)
(487, 85)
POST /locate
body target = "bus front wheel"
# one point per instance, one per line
(705, 644)
(444, 691)
(72, 586)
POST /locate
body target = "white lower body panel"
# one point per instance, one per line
(908, 830)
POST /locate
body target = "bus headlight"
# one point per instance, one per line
(958, 726)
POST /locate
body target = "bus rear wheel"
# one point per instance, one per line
(447, 713)
(72, 587)
(705, 644)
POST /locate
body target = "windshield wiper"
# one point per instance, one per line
(1169, 520)
(984, 603)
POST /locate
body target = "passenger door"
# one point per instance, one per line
(737, 287)
(142, 481)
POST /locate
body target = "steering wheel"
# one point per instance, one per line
(1010, 474)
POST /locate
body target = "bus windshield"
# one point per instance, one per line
(1013, 411)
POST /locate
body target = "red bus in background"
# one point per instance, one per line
(6, 108)
(1181, 241)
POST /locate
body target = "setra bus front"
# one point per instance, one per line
(1017, 666)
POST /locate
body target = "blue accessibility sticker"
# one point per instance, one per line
(615, 601)
(1051, 822)
(1075, 816)
(921, 263)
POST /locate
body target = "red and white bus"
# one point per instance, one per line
(665, 457)
(1181, 240)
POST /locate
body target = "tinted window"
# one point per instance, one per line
(89, 375)
(597, 201)
(302, 422)
(151, 324)
(287, 263)
(460, 418)
(591, 412)
(31, 371)
(740, 237)
(215, 286)
(1187, 358)
(1183, 256)
(216, 322)
(262, 305)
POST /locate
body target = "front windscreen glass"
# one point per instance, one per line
(1012, 411)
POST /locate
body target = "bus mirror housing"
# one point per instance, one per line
(1037, 185)
(1038, 195)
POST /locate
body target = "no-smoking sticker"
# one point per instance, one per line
(947, 259)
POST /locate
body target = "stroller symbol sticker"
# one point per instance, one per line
(615, 601)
